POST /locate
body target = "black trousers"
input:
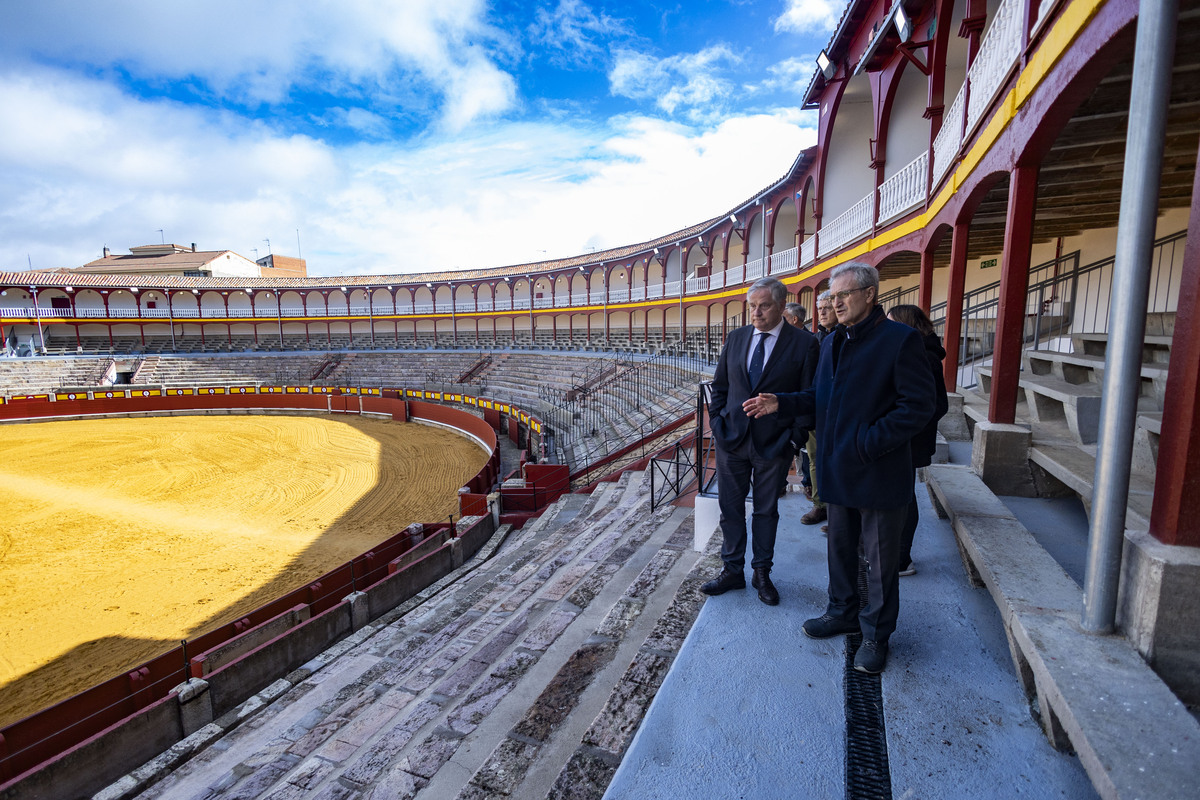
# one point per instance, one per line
(737, 470)
(877, 533)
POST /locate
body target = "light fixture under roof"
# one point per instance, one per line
(826, 65)
(902, 22)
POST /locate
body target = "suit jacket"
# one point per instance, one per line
(791, 368)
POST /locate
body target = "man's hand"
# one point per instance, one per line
(761, 405)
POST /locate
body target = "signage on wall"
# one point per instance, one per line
(991, 262)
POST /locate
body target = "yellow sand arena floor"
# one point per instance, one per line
(120, 537)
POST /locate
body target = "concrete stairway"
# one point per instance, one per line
(524, 676)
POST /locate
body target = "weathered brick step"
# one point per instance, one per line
(393, 685)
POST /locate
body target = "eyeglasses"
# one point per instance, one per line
(848, 292)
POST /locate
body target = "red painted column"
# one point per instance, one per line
(954, 303)
(1014, 286)
(925, 290)
(1175, 515)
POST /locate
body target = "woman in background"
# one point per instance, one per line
(924, 443)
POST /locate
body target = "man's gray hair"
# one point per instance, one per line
(825, 295)
(796, 310)
(773, 285)
(864, 275)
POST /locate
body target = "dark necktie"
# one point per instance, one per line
(756, 361)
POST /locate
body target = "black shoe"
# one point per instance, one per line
(766, 590)
(728, 579)
(827, 625)
(871, 657)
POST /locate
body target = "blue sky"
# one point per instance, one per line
(392, 136)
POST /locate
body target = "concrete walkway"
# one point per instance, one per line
(753, 708)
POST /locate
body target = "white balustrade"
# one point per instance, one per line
(998, 52)
(716, 281)
(852, 224)
(672, 288)
(618, 296)
(946, 143)
(905, 189)
(654, 292)
(808, 251)
(697, 285)
(784, 261)
(756, 269)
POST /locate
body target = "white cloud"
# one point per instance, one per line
(689, 81)
(809, 16)
(259, 52)
(791, 75)
(84, 165)
(574, 32)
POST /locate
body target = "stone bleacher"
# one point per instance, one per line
(1061, 404)
(47, 374)
(524, 675)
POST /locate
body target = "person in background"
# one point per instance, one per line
(826, 322)
(924, 443)
(795, 315)
(826, 318)
(766, 355)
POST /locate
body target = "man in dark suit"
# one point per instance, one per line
(872, 394)
(766, 356)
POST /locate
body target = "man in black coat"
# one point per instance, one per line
(872, 394)
(767, 355)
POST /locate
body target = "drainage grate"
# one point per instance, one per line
(867, 773)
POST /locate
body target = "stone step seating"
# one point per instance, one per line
(1065, 388)
(268, 342)
(1062, 393)
(526, 677)
(197, 370)
(40, 375)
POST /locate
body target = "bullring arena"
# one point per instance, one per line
(125, 536)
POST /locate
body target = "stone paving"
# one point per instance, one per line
(525, 676)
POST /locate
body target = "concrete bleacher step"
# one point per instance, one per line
(490, 687)
(1076, 467)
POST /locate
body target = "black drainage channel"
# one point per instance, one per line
(867, 773)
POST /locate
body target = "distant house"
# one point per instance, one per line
(282, 266)
(173, 259)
